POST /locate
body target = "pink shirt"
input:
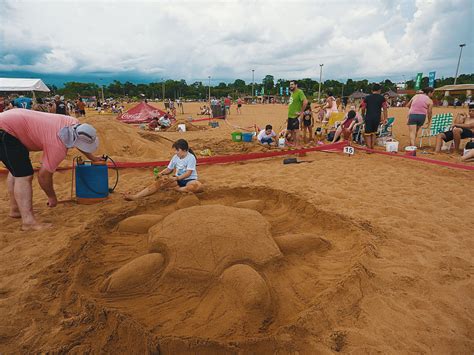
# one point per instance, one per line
(419, 104)
(38, 131)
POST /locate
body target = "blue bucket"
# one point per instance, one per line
(247, 137)
(92, 183)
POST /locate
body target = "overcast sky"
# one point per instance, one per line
(227, 39)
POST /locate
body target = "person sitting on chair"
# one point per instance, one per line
(463, 128)
(346, 127)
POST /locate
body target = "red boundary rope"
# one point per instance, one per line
(222, 159)
(425, 160)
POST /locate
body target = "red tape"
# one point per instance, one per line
(425, 160)
(223, 159)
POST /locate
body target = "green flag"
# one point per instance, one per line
(419, 76)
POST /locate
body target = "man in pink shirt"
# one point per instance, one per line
(23, 131)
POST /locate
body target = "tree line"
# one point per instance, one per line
(172, 89)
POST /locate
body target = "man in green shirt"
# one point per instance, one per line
(295, 110)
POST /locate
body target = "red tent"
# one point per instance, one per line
(142, 113)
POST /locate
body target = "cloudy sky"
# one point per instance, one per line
(150, 40)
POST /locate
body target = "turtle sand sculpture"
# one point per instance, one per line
(214, 244)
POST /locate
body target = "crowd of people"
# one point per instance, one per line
(367, 120)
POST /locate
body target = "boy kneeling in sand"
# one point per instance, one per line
(267, 136)
(183, 164)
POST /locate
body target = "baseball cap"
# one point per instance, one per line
(87, 139)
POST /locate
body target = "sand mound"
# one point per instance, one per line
(228, 234)
(139, 224)
(257, 205)
(136, 273)
(188, 201)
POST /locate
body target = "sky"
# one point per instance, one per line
(145, 41)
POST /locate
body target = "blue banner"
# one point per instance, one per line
(256, 92)
(287, 91)
(281, 90)
(432, 76)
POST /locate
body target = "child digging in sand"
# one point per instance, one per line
(185, 178)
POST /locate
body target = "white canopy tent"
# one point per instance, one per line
(14, 84)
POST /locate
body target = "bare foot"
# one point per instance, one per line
(36, 226)
(15, 214)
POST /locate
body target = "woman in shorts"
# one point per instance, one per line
(421, 106)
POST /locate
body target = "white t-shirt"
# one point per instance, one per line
(263, 135)
(183, 165)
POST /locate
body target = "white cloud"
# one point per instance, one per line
(226, 39)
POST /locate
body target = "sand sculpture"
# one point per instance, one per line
(220, 246)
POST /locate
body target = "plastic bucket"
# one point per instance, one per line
(391, 146)
(410, 150)
(92, 183)
(247, 137)
(281, 142)
(236, 136)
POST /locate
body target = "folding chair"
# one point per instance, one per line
(385, 130)
(439, 124)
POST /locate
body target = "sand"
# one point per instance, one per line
(357, 254)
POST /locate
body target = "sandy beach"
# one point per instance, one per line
(361, 254)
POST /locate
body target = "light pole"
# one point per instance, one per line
(163, 88)
(459, 61)
(209, 90)
(320, 78)
(253, 82)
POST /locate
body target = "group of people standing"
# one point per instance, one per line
(374, 109)
(57, 105)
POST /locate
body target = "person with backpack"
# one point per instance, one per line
(60, 106)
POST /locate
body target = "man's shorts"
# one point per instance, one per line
(293, 124)
(15, 155)
(466, 133)
(183, 183)
(371, 126)
(416, 119)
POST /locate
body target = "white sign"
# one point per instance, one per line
(349, 150)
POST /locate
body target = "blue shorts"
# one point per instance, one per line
(266, 141)
(183, 183)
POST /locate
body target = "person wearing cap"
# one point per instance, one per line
(23, 131)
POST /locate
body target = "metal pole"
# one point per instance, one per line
(253, 82)
(459, 61)
(209, 90)
(320, 78)
(163, 88)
